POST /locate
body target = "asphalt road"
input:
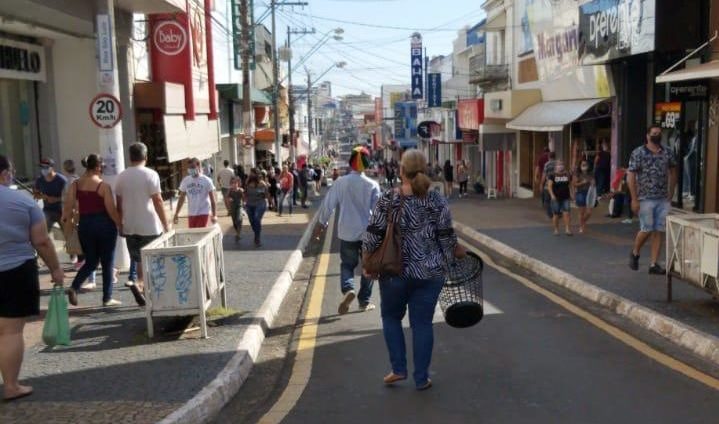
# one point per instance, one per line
(528, 361)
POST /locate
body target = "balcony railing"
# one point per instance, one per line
(489, 74)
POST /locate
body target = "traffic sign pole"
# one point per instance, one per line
(108, 89)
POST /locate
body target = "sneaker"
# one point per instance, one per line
(425, 386)
(633, 261)
(88, 285)
(367, 307)
(129, 283)
(112, 302)
(656, 269)
(345, 304)
(627, 221)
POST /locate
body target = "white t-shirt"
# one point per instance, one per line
(135, 186)
(198, 190)
(225, 176)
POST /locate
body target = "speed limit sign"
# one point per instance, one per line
(105, 110)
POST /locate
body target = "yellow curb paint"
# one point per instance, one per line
(613, 331)
(302, 366)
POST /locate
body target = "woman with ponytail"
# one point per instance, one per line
(97, 229)
(428, 244)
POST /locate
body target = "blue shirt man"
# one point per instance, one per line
(50, 187)
(357, 195)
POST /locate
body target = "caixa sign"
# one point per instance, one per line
(170, 38)
(20, 60)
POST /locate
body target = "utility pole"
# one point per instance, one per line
(276, 75)
(293, 149)
(309, 114)
(246, 92)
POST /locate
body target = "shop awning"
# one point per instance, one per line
(705, 70)
(234, 92)
(497, 23)
(551, 116)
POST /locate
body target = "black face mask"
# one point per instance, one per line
(656, 139)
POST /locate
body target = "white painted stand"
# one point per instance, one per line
(693, 251)
(184, 270)
(491, 193)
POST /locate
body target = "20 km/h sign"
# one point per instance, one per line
(105, 110)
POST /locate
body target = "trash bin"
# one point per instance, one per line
(184, 271)
(461, 297)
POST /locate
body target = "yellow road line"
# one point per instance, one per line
(302, 367)
(613, 331)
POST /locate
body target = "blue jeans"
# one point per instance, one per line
(132, 275)
(397, 294)
(284, 194)
(98, 235)
(254, 214)
(350, 253)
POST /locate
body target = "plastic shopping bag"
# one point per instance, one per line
(56, 330)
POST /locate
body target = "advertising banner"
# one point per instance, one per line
(434, 94)
(611, 29)
(667, 115)
(399, 127)
(470, 114)
(555, 36)
(23, 61)
(416, 65)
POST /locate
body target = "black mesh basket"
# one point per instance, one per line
(461, 297)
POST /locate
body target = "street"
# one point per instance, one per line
(529, 360)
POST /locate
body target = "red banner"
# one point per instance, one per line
(470, 114)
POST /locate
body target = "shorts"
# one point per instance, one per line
(581, 199)
(52, 217)
(653, 215)
(198, 221)
(135, 243)
(560, 206)
(20, 291)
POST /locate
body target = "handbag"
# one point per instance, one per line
(387, 259)
(56, 330)
(72, 241)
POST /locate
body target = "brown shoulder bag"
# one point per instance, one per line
(387, 259)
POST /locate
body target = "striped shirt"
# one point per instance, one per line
(428, 239)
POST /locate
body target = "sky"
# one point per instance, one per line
(376, 38)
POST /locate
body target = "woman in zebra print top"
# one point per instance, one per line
(428, 243)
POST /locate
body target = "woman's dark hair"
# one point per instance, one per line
(4, 163)
(253, 179)
(92, 161)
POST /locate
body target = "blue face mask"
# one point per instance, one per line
(193, 172)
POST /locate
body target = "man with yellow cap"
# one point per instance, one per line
(357, 194)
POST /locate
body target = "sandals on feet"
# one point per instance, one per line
(392, 378)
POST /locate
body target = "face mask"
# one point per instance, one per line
(45, 172)
(193, 172)
(559, 169)
(656, 139)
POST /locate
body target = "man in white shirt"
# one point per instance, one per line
(139, 202)
(224, 178)
(200, 193)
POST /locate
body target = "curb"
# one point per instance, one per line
(702, 344)
(214, 396)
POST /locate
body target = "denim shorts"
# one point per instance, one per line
(581, 199)
(653, 215)
(560, 206)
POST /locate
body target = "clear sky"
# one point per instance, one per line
(375, 43)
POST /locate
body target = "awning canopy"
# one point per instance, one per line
(705, 70)
(497, 23)
(551, 116)
(234, 92)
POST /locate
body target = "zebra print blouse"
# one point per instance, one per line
(428, 239)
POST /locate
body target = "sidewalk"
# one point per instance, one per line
(599, 257)
(113, 373)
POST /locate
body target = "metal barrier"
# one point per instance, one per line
(693, 251)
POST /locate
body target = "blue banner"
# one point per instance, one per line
(417, 66)
(434, 93)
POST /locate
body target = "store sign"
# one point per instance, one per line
(170, 38)
(105, 110)
(104, 43)
(240, 43)
(470, 114)
(555, 36)
(691, 90)
(668, 115)
(416, 65)
(399, 126)
(434, 93)
(20, 60)
(610, 29)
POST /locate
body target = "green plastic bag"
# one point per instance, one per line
(56, 330)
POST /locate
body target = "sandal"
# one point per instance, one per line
(72, 296)
(392, 378)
